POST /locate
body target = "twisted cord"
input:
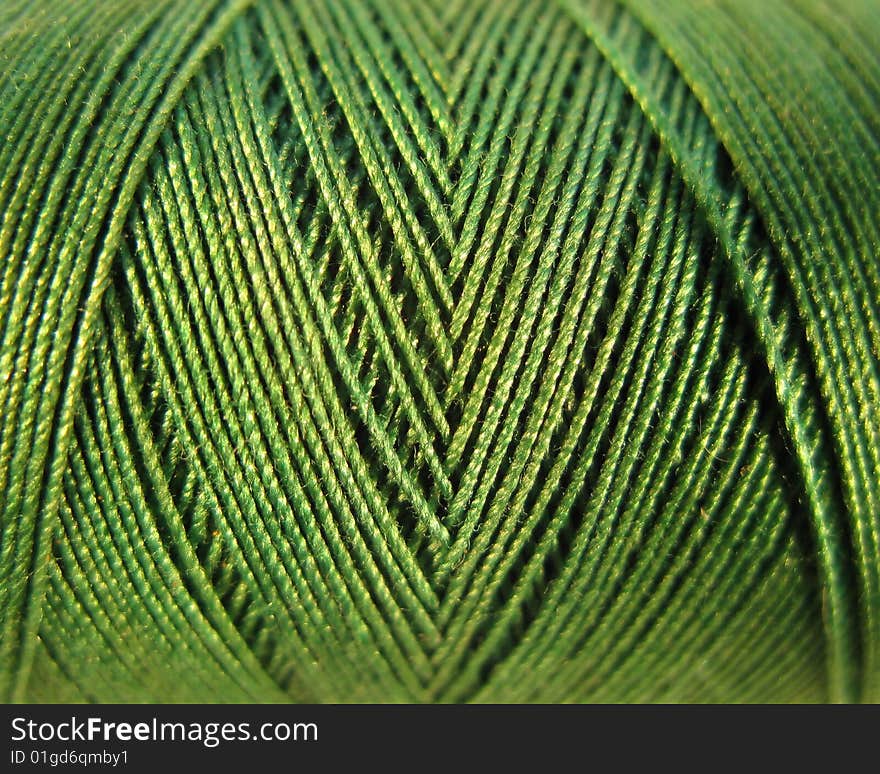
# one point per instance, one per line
(380, 350)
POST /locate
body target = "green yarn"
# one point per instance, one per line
(407, 350)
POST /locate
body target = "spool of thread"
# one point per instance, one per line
(405, 350)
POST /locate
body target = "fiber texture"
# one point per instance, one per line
(440, 350)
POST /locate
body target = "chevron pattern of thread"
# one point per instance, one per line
(407, 350)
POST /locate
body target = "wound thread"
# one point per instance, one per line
(397, 351)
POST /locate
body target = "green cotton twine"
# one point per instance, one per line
(440, 350)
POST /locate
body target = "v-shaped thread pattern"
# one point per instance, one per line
(416, 334)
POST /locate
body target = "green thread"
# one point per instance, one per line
(383, 350)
